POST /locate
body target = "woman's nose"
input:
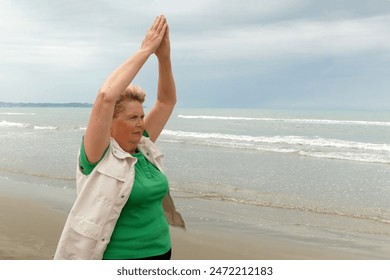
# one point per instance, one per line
(140, 122)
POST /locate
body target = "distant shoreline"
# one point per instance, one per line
(30, 104)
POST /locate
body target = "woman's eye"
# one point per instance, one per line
(134, 118)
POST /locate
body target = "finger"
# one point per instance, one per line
(163, 30)
(167, 31)
(156, 23)
(160, 24)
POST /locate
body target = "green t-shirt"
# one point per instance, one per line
(142, 229)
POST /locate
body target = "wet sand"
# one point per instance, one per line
(29, 230)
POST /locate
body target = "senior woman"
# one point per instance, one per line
(123, 205)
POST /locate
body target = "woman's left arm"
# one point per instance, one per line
(166, 91)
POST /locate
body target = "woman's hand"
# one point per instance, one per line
(155, 35)
(164, 50)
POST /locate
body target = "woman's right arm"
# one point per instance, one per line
(97, 136)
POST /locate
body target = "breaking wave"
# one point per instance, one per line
(302, 145)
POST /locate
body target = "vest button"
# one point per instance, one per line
(122, 196)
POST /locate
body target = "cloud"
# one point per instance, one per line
(50, 53)
(286, 51)
(212, 30)
(291, 38)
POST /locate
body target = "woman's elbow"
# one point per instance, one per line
(104, 96)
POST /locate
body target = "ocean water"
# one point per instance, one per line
(315, 176)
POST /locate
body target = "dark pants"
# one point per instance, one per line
(166, 256)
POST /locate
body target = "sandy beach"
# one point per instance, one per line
(29, 230)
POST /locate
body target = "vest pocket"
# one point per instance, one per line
(120, 171)
(81, 240)
(86, 228)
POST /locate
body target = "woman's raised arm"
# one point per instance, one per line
(166, 91)
(97, 136)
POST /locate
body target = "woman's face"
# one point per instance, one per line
(127, 128)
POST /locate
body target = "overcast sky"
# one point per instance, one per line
(251, 53)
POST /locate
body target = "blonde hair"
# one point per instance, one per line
(131, 93)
